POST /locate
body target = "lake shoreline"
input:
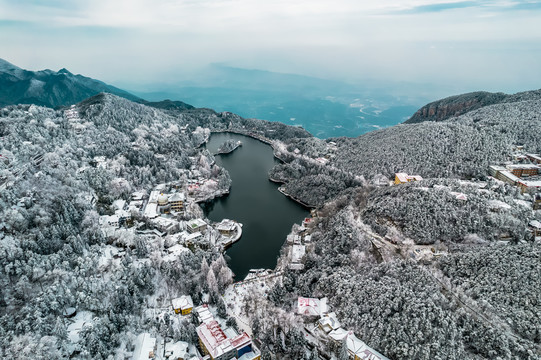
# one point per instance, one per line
(270, 143)
(267, 216)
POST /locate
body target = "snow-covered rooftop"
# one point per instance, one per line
(311, 306)
(297, 252)
(183, 303)
(144, 346)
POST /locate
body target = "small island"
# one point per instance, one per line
(228, 146)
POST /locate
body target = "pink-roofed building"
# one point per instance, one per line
(215, 343)
(312, 307)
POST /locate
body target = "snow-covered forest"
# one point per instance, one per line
(443, 268)
(53, 253)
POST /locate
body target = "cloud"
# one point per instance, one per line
(348, 39)
(437, 7)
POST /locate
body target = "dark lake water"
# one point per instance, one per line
(254, 201)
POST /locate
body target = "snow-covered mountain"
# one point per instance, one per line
(49, 88)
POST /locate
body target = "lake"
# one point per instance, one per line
(255, 202)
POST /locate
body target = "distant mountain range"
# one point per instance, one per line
(49, 88)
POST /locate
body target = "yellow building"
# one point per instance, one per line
(402, 178)
(182, 305)
(177, 201)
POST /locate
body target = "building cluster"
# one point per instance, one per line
(160, 203)
(402, 178)
(219, 344)
(122, 215)
(298, 241)
(329, 325)
(165, 212)
(525, 175)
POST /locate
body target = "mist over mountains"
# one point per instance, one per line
(325, 108)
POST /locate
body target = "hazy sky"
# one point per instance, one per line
(494, 45)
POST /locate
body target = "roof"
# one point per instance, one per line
(522, 166)
(138, 195)
(177, 350)
(530, 183)
(193, 236)
(241, 340)
(367, 353)
(535, 224)
(354, 344)
(203, 314)
(196, 223)
(150, 210)
(214, 339)
(509, 176)
(153, 196)
(330, 320)
(311, 307)
(177, 197)
(534, 156)
(297, 252)
(338, 334)
(226, 225)
(144, 344)
(162, 199)
(184, 302)
(402, 177)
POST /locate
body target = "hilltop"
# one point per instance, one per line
(457, 105)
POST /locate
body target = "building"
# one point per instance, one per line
(176, 201)
(192, 239)
(297, 253)
(507, 176)
(182, 305)
(536, 201)
(202, 314)
(176, 351)
(153, 197)
(529, 186)
(357, 349)
(328, 322)
(138, 196)
(535, 158)
(196, 225)
(165, 224)
(402, 178)
(145, 347)
(163, 203)
(312, 307)
(217, 345)
(493, 170)
(523, 170)
(226, 227)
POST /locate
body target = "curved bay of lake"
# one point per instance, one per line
(255, 202)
